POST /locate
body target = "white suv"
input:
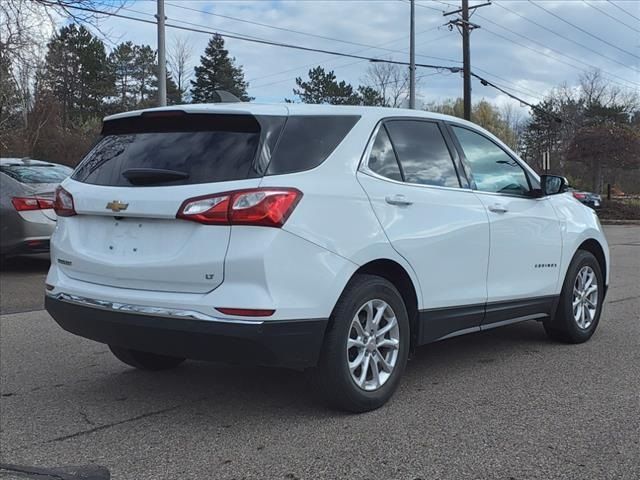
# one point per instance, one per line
(335, 239)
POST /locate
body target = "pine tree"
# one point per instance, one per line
(146, 74)
(322, 87)
(77, 73)
(123, 62)
(217, 71)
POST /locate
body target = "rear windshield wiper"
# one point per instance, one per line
(149, 176)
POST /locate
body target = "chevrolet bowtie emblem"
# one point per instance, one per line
(117, 206)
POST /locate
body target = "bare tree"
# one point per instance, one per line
(390, 80)
(179, 60)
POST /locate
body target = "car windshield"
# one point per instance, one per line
(40, 173)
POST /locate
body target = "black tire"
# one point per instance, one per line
(563, 327)
(332, 377)
(145, 360)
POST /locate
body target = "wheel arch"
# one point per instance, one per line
(397, 275)
(592, 246)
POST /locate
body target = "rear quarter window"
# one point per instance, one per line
(307, 141)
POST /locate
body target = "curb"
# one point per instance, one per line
(604, 221)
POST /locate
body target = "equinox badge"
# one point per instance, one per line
(117, 206)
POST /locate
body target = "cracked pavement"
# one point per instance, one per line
(506, 403)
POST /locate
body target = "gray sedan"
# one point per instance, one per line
(27, 218)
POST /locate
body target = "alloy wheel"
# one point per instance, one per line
(373, 344)
(585, 297)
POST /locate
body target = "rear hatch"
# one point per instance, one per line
(129, 188)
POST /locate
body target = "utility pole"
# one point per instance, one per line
(412, 57)
(162, 61)
(465, 27)
(466, 61)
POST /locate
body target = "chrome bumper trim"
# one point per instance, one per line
(145, 310)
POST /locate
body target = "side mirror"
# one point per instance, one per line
(553, 184)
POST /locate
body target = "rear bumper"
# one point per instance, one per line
(290, 343)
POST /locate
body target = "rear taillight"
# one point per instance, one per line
(267, 207)
(22, 204)
(63, 203)
(579, 196)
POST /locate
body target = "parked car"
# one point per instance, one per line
(590, 199)
(333, 239)
(27, 218)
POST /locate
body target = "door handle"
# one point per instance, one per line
(497, 208)
(398, 199)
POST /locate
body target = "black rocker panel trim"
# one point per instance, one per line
(440, 323)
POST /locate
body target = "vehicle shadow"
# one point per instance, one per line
(26, 264)
(229, 391)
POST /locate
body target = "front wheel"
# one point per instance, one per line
(366, 349)
(145, 360)
(580, 303)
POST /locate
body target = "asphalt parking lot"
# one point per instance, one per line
(506, 404)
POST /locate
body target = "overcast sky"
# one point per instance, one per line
(606, 37)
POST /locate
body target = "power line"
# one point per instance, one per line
(553, 50)
(555, 33)
(617, 20)
(622, 9)
(299, 32)
(440, 68)
(487, 83)
(583, 30)
(310, 65)
(558, 35)
(552, 57)
(326, 61)
(256, 40)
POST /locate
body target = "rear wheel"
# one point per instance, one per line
(366, 349)
(580, 303)
(145, 360)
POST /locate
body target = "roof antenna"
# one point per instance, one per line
(226, 97)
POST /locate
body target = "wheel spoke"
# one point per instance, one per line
(379, 313)
(589, 282)
(578, 314)
(388, 343)
(592, 289)
(383, 363)
(355, 342)
(357, 361)
(368, 309)
(365, 369)
(357, 326)
(375, 372)
(391, 322)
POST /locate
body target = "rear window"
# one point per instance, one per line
(40, 173)
(182, 149)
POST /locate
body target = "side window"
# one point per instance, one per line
(492, 168)
(382, 159)
(423, 153)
